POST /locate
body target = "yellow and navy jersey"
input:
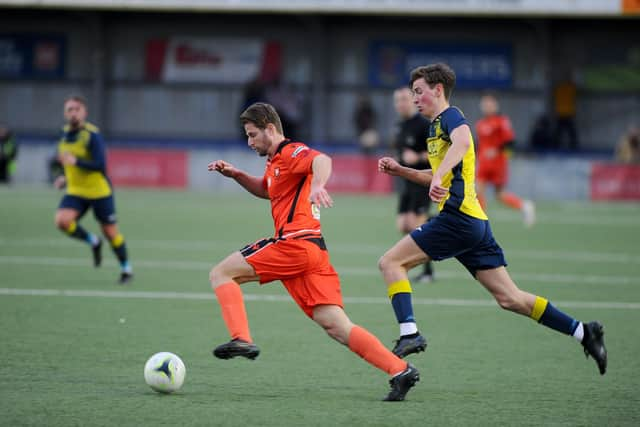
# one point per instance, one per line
(461, 179)
(88, 177)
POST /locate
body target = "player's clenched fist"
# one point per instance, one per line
(225, 168)
(388, 165)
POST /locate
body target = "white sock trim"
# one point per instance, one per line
(579, 332)
(408, 328)
(93, 239)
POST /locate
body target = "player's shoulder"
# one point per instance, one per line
(90, 127)
(451, 118)
(453, 112)
(504, 120)
(294, 149)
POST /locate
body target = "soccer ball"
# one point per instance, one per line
(164, 372)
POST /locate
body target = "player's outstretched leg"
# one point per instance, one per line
(590, 335)
(527, 207)
(410, 340)
(76, 231)
(393, 265)
(510, 297)
(119, 248)
(229, 297)
(362, 342)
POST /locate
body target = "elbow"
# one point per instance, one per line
(322, 162)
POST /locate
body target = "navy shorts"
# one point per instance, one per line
(104, 209)
(468, 239)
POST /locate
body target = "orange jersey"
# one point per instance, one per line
(287, 178)
(493, 133)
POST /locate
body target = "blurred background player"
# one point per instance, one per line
(628, 149)
(565, 95)
(410, 144)
(81, 151)
(495, 142)
(461, 229)
(8, 154)
(294, 182)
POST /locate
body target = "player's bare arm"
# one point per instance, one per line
(460, 142)
(253, 184)
(321, 167)
(390, 166)
(60, 182)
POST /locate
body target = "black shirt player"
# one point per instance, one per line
(410, 144)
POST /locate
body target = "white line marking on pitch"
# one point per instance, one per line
(453, 302)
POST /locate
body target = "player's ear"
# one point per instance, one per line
(271, 129)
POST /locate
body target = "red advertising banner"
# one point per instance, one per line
(358, 174)
(615, 182)
(212, 59)
(148, 168)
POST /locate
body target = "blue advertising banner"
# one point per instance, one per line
(477, 66)
(32, 56)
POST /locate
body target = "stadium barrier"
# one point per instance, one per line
(615, 182)
(148, 168)
(548, 178)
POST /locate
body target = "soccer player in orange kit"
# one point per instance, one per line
(495, 141)
(294, 181)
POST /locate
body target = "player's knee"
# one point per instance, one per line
(384, 263)
(216, 276)
(62, 223)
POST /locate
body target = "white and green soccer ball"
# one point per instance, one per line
(164, 372)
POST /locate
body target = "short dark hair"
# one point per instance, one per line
(261, 114)
(434, 74)
(489, 94)
(76, 97)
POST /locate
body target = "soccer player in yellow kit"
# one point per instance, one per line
(461, 229)
(81, 151)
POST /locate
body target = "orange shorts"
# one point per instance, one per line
(494, 172)
(302, 266)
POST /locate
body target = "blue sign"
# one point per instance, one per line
(477, 66)
(32, 56)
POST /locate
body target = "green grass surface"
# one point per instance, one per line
(69, 359)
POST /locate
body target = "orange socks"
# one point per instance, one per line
(233, 312)
(367, 346)
(511, 200)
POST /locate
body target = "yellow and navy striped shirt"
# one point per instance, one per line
(88, 177)
(461, 179)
